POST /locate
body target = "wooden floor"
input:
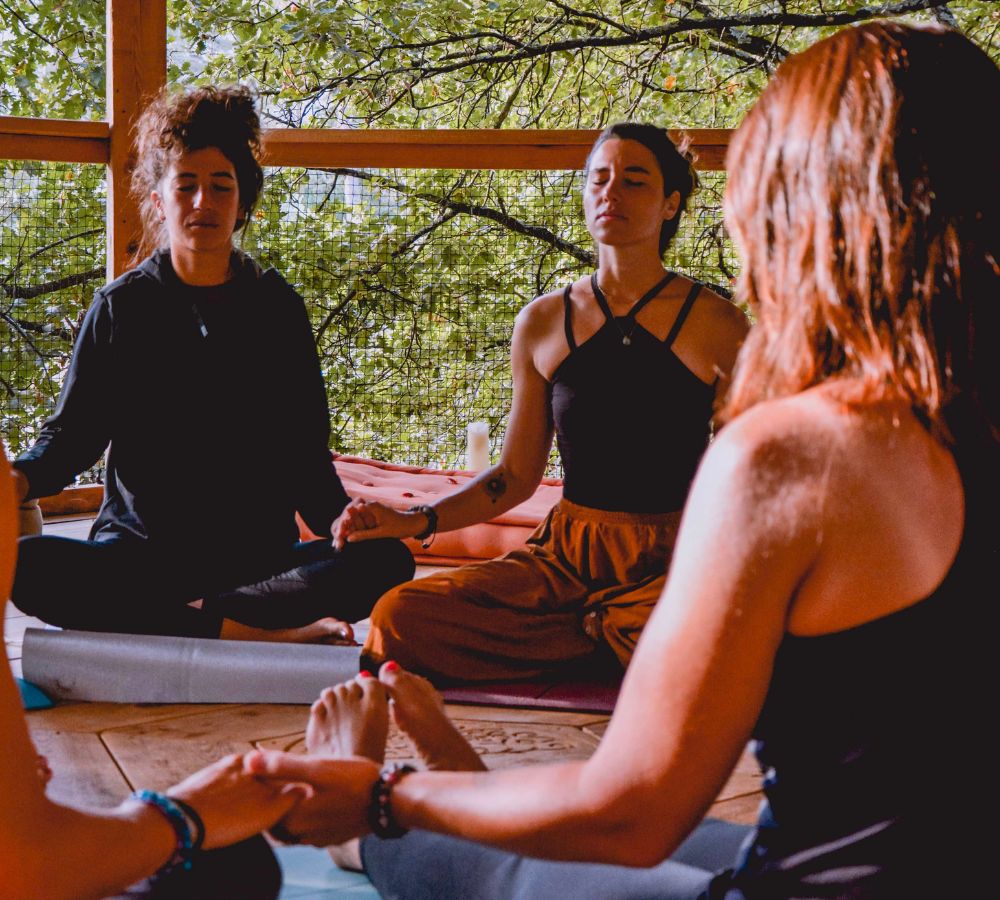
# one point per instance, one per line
(100, 752)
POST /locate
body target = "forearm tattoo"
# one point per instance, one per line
(495, 486)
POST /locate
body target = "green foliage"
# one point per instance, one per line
(51, 259)
(413, 277)
(52, 58)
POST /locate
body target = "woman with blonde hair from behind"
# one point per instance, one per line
(833, 587)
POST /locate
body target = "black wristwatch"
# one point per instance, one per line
(428, 533)
(380, 817)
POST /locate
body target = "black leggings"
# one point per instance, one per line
(248, 871)
(127, 586)
(424, 866)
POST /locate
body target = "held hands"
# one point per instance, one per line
(345, 738)
(233, 804)
(341, 790)
(363, 521)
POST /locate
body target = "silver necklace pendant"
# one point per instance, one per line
(626, 340)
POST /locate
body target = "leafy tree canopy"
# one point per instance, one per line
(413, 277)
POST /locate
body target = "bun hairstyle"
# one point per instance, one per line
(182, 121)
(675, 160)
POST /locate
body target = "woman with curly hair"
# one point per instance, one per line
(198, 373)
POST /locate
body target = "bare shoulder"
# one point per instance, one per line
(781, 455)
(712, 334)
(539, 329)
(538, 315)
(800, 427)
(534, 328)
(722, 316)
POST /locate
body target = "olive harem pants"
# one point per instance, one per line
(584, 583)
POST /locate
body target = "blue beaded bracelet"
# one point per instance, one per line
(186, 823)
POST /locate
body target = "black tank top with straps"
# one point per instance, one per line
(876, 745)
(631, 420)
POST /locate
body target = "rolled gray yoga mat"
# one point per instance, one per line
(130, 668)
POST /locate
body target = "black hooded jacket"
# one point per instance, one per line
(213, 404)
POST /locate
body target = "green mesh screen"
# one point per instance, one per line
(52, 241)
(412, 277)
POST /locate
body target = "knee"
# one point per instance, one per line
(399, 610)
(386, 563)
(395, 559)
(399, 626)
(32, 577)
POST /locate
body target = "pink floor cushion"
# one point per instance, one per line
(406, 486)
(579, 696)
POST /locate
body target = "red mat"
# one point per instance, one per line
(578, 696)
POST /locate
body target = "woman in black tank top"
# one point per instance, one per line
(622, 367)
(833, 589)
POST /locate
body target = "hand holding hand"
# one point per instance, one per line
(337, 809)
(233, 804)
(363, 521)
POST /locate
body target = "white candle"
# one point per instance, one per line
(477, 454)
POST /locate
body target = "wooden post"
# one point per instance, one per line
(137, 69)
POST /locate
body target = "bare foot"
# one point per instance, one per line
(418, 710)
(350, 719)
(322, 631)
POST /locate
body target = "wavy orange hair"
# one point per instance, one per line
(864, 196)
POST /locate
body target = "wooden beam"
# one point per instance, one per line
(53, 140)
(137, 70)
(78, 141)
(458, 149)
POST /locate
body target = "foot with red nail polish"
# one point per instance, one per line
(350, 719)
(418, 711)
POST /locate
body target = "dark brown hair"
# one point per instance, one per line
(182, 121)
(864, 196)
(675, 161)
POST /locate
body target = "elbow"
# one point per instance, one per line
(637, 831)
(646, 856)
(521, 484)
(639, 847)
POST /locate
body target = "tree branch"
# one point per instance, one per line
(48, 287)
(538, 232)
(374, 269)
(418, 72)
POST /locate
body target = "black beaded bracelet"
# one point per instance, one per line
(380, 817)
(426, 537)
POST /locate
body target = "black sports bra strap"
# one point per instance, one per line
(650, 294)
(638, 305)
(599, 295)
(568, 317)
(683, 314)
